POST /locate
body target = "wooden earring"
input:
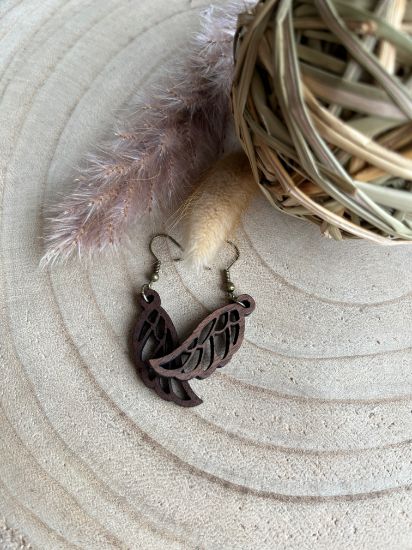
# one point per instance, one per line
(166, 366)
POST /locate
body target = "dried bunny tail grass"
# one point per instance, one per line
(166, 139)
(214, 210)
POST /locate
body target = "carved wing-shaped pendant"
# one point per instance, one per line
(210, 346)
(155, 336)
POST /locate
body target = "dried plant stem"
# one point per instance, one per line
(213, 211)
(395, 11)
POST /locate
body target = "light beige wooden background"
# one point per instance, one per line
(304, 441)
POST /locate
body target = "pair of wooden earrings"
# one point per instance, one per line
(167, 367)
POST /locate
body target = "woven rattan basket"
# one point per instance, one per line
(322, 99)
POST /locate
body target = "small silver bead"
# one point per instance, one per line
(155, 277)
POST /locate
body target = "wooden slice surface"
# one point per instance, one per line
(304, 441)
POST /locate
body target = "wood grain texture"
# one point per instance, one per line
(304, 441)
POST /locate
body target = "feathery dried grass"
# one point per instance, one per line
(169, 137)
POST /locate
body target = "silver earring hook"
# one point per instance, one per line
(158, 263)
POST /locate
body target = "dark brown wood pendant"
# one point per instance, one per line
(154, 336)
(166, 366)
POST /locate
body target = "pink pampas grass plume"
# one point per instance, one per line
(170, 136)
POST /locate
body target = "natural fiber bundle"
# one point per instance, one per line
(213, 211)
(322, 98)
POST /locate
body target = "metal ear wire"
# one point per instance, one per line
(166, 236)
(156, 269)
(230, 287)
(237, 254)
